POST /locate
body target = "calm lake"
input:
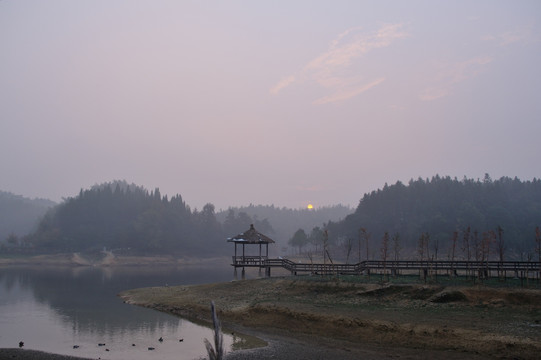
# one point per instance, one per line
(53, 309)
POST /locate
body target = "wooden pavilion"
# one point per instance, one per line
(251, 237)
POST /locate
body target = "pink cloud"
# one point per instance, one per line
(522, 35)
(331, 69)
(285, 82)
(346, 93)
(451, 74)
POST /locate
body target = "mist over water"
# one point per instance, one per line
(53, 309)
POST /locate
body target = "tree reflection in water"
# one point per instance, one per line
(52, 309)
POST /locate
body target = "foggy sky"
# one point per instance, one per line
(276, 102)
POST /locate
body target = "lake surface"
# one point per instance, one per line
(53, 309)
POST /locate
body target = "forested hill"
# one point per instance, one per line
(128, 218)
(19, 215)
(433, 214)
(437, 208)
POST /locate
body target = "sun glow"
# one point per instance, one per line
(310, 206)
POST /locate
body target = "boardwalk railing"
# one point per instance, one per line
(249, 261)
(481, 268)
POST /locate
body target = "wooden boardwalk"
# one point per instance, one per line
(484, 269)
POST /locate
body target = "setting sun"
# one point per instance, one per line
(310, 206)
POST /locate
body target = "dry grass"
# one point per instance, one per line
(493, 322)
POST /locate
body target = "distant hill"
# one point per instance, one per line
(20, 215)
(284, 221)
(128, 218)
(483, 215)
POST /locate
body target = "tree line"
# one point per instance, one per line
(128, 218)
(131, 219)
(285, 221)
(439, 218)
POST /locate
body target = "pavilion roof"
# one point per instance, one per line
(251, 236)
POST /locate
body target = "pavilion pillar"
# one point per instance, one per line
(243, 262)
(260, 260)
(267, 269)
(235, 276)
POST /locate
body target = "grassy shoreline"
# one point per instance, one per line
(481, 320)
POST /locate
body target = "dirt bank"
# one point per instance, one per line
(24, 354)
(496, 323)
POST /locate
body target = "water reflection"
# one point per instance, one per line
(53, 309)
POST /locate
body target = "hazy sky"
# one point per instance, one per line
(266, 102)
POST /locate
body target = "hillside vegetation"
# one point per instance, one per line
(446, 218)
(19, 215)
(280, 223)
(438, 218)
(129, 219)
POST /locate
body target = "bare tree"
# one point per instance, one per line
(436, 246)
(538, 249)
(478, 251)
(453, 249)
(396, 246)
(453, 245)
(477, 246)
(359, 241)
(348, 244)
(385, 251)
(311, 257)
(466, 249)
(366, 236)
(538, 243)
(501, 245)
(326, 247)
(489, 237)
(427, 244)
(421, 246)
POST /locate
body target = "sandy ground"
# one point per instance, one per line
(307, 318)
